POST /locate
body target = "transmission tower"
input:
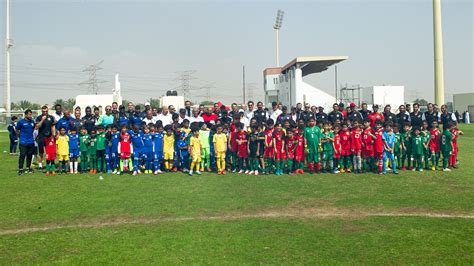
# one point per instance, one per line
(93, 82)
(184, 77)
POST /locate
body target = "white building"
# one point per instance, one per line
(100, 100)
(383, 95)
(286, 85)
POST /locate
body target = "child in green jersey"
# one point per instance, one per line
(446, 145)
(84, 139)
(100, 148)
(397, 151)
(425, 133)
(406, 146)
(327, 141)
(92, 150)
(417, 149)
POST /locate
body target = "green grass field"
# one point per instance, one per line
(411, 218)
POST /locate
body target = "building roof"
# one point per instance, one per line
(308, 64)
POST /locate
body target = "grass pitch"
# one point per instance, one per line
(411, 218)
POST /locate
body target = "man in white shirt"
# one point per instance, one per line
(276, 112)
(149, 118)
(249, 112)
(195, 116)
(165, 116)
(58, 114)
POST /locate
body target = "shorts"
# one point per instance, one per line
(158, 155)
(328, 155)
(434, 149)
(280, 155)
(313, 157)
(63, 157)
(378, 155)
(269, 152)
(40, 142)
(290, 156)
(74, 153)
(196, 158)
(125, 155)
(242, 153)
(50, 156)
(220, 154)
(168, 156)
(299, 157)
(356, 151)
(205, 152)
(368, 153)
(253, 152)
(346, 152)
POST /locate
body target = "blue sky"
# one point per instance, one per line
(147, 42)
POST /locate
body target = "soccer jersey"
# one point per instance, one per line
(446, 139)
(147, 142)
(220, 142)
(299, 150)
(345, 140)
(50, 147)
(278, 136)
(204, 138)
(114, 141)
(136, 139)
(253, 143)
(63, 145)
(84, 142)
(356, 139)
(434, 140)
(195, 144)
(291, 144)
(242, 147)
(337, 145)
(417, 145)
(390, 139)
(368, 141)
(313, 137)
(396, 148)
(406, 138)
(328, 144)
(168, 143)
(158, 142)
(26, 127)
(73, 141)
(100, 137)
(379, 147)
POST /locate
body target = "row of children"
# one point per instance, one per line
(358, 146)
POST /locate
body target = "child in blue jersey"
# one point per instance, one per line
(158, 148)
(183, 152)
(111, 150)
(73, 150)
(389, 138)
(137, 144)
(148, 149)
(177, 136)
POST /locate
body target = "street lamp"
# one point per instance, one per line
(277, 27)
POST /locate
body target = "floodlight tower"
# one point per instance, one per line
(8, 45)
(438, 53)
(277, 27)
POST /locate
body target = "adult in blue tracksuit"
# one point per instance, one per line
(136, 119)
(65, 122)
(137, 144)
(24, 130)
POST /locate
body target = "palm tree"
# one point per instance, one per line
(24, 104)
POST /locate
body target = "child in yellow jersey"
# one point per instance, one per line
(220, 148)
(168, 147)
(195, 151)
(62, 140)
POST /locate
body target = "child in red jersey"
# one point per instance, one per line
(299, 150)
(453, 159)
(125, 149)
(379, 145)
(233, 146)
(435, 150)
(279, 149)
(368, 142)
(242, 150)
(356, 146)
(50, 152)
(291, 143)
(345, 136)
(268, 142)
(337, 148)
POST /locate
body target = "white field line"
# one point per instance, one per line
(268, 215)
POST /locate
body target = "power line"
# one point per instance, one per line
(184, 77)
(93, 82)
